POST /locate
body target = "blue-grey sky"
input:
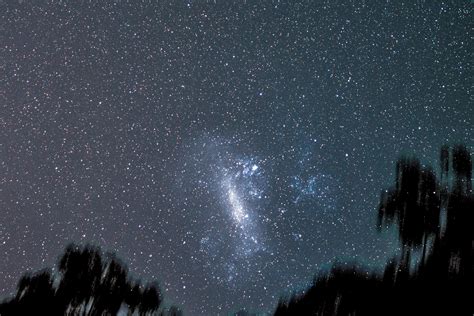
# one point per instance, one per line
(228, 149)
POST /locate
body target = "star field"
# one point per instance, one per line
(228, 149)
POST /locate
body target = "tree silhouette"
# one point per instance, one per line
(87, 284)
(132, 298)
(81, 271)
(440, 283)
(150, 300)
(413, 204)
(172, 311)
(35, 295)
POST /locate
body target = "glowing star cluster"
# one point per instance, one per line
(238, 212)
(242, 188)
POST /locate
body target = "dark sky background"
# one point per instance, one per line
(228, 149)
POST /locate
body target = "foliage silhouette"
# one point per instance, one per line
(439, 284)
(172, 311)
(87, 284)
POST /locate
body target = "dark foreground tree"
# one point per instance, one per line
(87, 284)
(171, 311)
(435, 214)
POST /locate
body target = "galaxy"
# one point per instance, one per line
(230, 150)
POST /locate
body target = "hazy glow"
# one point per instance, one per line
(237, 209)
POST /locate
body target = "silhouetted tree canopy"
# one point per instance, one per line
(171, 311)
(441, 282)
(87, 284)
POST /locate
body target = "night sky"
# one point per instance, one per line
(228, 149)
